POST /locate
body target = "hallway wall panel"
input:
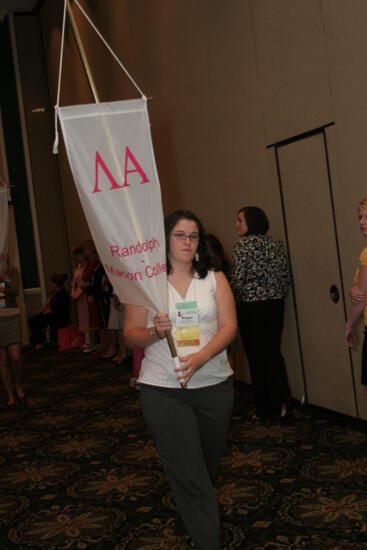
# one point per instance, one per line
(313, 251)
(345, 29)
(292, 64)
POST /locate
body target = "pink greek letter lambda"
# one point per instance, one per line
(101, 162)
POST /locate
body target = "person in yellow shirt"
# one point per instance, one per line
(358, 294)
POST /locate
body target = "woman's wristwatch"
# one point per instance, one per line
(156, 334)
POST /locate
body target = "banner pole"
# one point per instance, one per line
(82, 52)
(171, 343)
(172, 348)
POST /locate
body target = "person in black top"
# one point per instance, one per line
(101, 290)
(55, 313)
(260, 281)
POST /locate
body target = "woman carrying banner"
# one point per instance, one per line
(11, 337)
(188, 408)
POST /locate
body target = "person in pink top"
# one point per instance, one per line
(92, 262)
(79, 294)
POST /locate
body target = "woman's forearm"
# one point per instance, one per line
(139, 337)
(354, 313)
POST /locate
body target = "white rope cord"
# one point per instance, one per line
(110, 49)
(55, 148)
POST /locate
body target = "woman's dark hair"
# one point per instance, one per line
(215, 250)
(59, 279)
(204, 263)
(256, 220)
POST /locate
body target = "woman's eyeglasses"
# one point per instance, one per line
(181, 236)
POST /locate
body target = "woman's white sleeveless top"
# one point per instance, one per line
(158, 367)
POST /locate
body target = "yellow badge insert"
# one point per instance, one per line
(187, 324)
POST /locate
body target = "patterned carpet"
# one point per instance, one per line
(78, 470)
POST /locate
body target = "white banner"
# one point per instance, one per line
(4, 227)
(110, 152)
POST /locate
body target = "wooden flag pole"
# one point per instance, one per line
(82, 52)
(171, 343)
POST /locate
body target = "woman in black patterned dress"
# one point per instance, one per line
(260, 282)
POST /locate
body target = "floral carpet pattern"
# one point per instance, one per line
(79, 470)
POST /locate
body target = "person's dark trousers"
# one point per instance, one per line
(261, 325)
(37, 324)
(189, 428)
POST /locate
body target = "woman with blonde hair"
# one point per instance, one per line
(358, 293)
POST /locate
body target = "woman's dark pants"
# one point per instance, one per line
(261, 325)
(189, 428)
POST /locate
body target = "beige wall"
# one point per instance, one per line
(229, 79)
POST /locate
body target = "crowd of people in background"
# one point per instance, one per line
(100, 312)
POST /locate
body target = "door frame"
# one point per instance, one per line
(276, 146)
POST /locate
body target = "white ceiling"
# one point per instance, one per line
(16, 5)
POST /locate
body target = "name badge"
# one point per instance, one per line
(187, 324)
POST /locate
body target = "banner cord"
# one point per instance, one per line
(110, 49)
(55, 148)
